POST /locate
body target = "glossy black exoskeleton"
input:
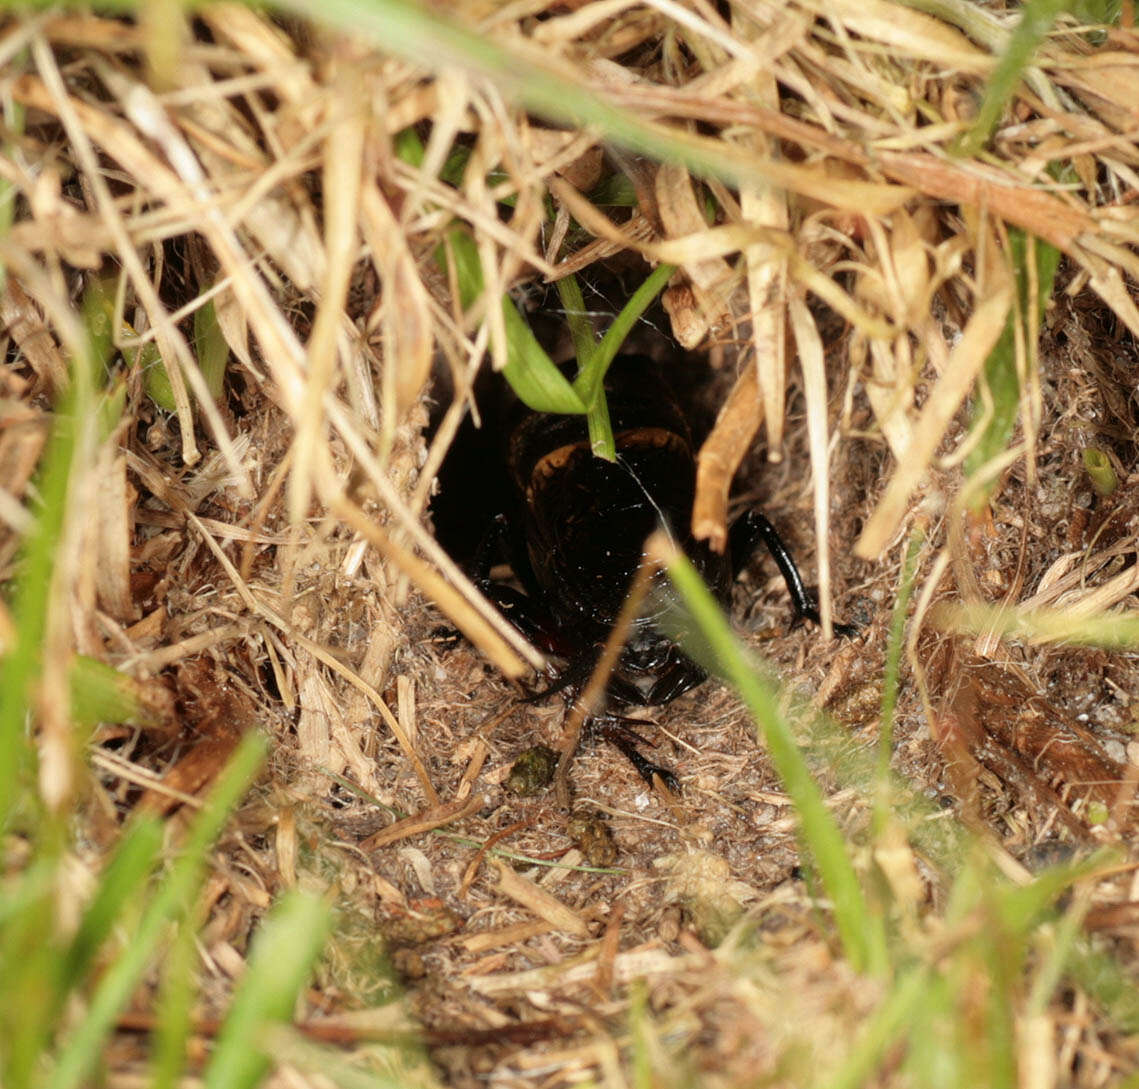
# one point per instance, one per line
(576, 539)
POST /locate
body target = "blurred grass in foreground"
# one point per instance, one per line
(961, 986)
(69, 966)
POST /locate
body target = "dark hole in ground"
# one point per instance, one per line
(473, 483)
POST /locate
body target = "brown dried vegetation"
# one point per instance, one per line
(266, 558)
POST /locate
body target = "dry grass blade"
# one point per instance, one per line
(811, 359)
(540, 902)
(35, 341)
(710, 280)
(964, 363)
(766, 283)
(434, 818)
(720, 457)
(343, 163)
(453, 604)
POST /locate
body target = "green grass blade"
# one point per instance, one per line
(98, 318)
(155, 377)
(100, 693)
(15, 118)
(174, 1008)
(591, 381)
(641, 1057)
(601, 440)
(211, 348)
(861, 932)
(404, 1062)
(1000, 951)
(30, 948)
(1037, 17)
(1100, 975)
(1100, 471)
(1052, 965)
(1023, 908)
(615, 190)
(23, 893)
(529, 370)
(1098, 11)
(40, 973)
(892, 1018)
(997, 413)
(289, 941)
(409, 147)
(121, 882)
(209, 345)
(577, 318)
(995, 408)
(81, 1052)
(1111, 631)
(29, 961)
(20, 667)
(422, 34)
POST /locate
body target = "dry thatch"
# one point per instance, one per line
(264, 559)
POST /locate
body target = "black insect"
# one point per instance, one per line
(577, 535)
